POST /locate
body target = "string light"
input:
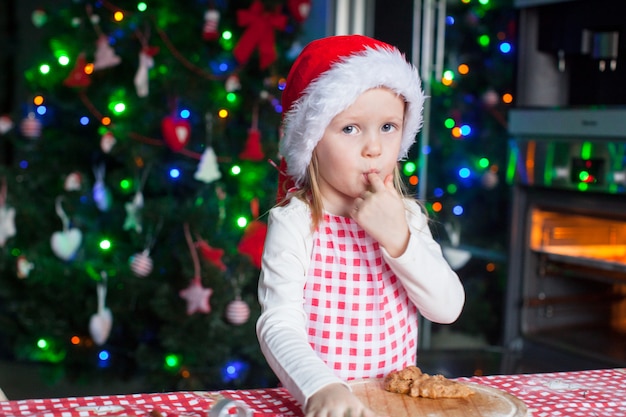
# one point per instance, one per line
(242, 222)
(172, 361)
(174, 173)
(43, 344)
(409, 168)
(126, 184)
(484, 40)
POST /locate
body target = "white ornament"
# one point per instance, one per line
(7, 216)
(7, 224)
(6, 124)
(142, 87)
(105, 56)
(65, 243)
(73, 181)
(208, 170)
(23, 267)
(232, 83)
(101, 322)
(107, 141)
(237, 311)
(456, 257)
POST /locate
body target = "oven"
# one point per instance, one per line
(567, 262)
(566, 281)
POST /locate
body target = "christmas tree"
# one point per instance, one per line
(136, 174)
(134, 185)
(467, 192)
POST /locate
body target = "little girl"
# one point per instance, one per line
(348, 262)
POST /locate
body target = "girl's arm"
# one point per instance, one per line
(281, 326)
(431, 283)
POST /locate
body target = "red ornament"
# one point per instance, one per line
(175, 132)
(211, 254)
(259, 34)
(251, 243)
(253, 150)
(299, 9)
(78, 77)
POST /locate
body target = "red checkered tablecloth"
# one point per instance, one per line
(595, 393)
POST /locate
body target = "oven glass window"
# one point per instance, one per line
(560, 233)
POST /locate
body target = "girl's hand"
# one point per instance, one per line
(336, 400)
(381, 212)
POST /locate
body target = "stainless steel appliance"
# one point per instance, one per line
(567, 264)
(567, 260)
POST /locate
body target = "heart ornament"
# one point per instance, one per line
(176, 132)
(65, 243)
(101, 322)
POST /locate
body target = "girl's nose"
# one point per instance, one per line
(372, 147)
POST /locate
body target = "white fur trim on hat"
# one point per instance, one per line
(336, 89)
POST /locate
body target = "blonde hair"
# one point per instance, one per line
(311, 195)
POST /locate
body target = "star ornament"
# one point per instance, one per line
(197, 297)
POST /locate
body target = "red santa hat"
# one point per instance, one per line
(326, 78)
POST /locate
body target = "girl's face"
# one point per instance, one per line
(364, 138)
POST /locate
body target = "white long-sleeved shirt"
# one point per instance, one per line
(430, 283)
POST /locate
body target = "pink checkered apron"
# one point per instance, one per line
(361, 321)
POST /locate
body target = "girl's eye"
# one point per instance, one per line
(387, 127)
(348, 130)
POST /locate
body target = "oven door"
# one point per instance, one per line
(567, 259)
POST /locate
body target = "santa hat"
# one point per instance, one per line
(326, 78)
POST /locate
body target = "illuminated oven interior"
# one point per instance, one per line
(575, 288)
(578, 236)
